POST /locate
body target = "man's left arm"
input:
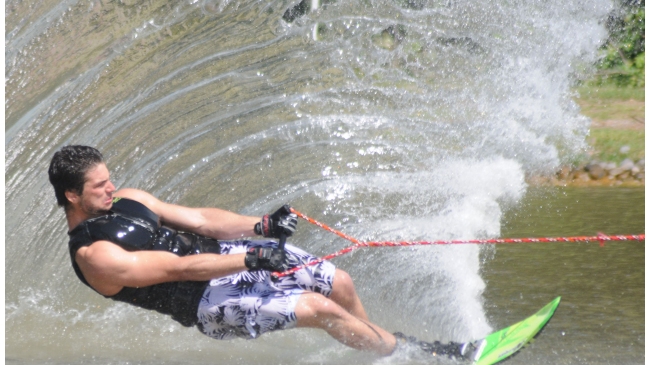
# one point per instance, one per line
(212, 222)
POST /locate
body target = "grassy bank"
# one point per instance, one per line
(616, 139)
(618, 116)
(613, 98)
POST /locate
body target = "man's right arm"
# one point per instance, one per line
(108, 268)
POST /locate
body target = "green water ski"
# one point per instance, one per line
(504, 343)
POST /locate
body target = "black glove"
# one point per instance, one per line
(278, 223)
(266, 258)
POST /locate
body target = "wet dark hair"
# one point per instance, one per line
(68, 170)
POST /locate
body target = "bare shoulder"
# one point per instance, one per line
(98, 254)
(98, 263)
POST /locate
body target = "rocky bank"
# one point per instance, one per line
(597, 173)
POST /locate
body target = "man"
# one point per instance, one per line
(195, 265)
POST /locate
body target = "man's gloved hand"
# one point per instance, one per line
(266, 258)
(278, 223)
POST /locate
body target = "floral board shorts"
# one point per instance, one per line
(249, 303)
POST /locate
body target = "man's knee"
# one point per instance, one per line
(343, 286)
(314, 310)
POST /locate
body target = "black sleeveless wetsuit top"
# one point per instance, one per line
(134, 227)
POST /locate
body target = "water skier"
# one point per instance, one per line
(195, 265)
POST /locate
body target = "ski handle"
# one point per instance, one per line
(282, 241)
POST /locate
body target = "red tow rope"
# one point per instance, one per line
(358, 244)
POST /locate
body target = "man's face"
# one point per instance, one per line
(97, 196)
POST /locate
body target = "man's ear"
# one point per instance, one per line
(72, 196)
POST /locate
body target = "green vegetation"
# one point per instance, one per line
(618, 115)
(615, 145)
(593, 93)
(614, 98)
(613, 103)
(623, 61)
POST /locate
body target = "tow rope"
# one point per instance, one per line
(602, 238)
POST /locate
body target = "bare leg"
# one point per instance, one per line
(316, 311)
(344, 294)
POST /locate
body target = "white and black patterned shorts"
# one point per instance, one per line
(249, 303)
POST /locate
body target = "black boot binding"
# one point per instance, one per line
(454, 350)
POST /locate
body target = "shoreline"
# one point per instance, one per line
(617, 158)
(554, 181)
(627, 173)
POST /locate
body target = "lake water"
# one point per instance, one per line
(601, 316)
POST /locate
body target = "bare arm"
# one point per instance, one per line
(211, 222)
(108, 268)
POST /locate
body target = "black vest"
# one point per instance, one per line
(134, 227)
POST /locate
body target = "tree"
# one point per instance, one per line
(623, 61)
